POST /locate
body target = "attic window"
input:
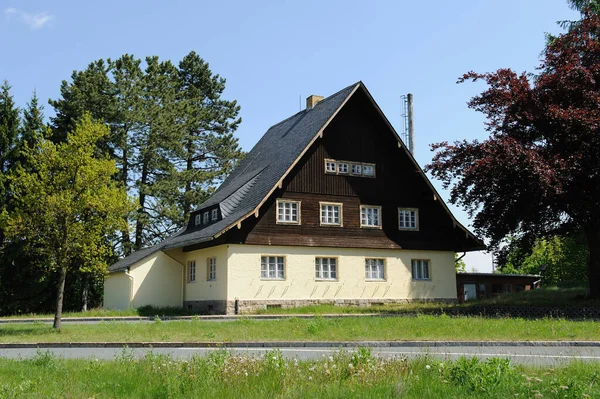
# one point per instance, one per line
(362, 169)
(198, 219)
(370, 216)
(214, 214)
(288, 212)
(205, 217)
(330, 166)
(408, 219)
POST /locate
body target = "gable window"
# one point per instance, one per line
(205, 217)
(368, 170)
(326, 268)
(330, 166)
(357, 169)
(288, 212)
(214, 214)
(272, 267)
(370, 216)
(420, 269)
(342, 167)
(198, 219)
(191, 271)
(331, 214)
(374, 269)
(408, 219)
(211, 269)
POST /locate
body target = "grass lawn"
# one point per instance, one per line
(344, 375)
(422, 327)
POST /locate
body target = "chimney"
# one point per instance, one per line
(312, 101)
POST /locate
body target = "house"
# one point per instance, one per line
(328, 207)
(471, 286)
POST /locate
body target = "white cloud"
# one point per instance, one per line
(34, 21)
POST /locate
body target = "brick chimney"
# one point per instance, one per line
(313, 100)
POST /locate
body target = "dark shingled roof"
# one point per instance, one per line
(254, 177)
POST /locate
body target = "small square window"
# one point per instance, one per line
(368, 170)
(326, 268)
(357, 169)
(330, 166)
(370, 216)
(191, 271)
(272, 268)
(198, 219)
(214, 214)
(420, 269)
(205, 217)
(211, 269)
(331, 214)
(342, 167)
(288, 212)
(374, 269)
(408, 219)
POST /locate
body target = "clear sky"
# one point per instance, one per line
(274, 52)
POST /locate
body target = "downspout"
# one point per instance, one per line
(459, 258)
(130, 287)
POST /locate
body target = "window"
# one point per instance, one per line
(272, 267)
(368, 170)
(205, 218)
(374, 269)
(420, 269)
(326, 268)
(331, 214)
(330, 166)
(356, 169)
(288, 212)
(342, 167)
(211, 269)
(191, 271)
(214, 214)
(370, 216)
(408, 219)
(198, 219)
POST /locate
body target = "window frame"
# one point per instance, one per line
(416, 211)
(198, 219)
(341, 214)
(384, 269)
(205, 217)
(412, 269)
(379, 216)
(191, 266)
(284, 258)
(214, 215)
(335, 166)
(320, 271)
(372, 176)
(211, 268)
(290, 201)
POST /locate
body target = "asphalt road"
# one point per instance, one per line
(529, 355)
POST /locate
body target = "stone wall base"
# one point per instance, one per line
(207, 307)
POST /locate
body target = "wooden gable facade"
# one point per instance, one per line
(358, 133)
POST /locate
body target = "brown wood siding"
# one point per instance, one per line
(356, 134)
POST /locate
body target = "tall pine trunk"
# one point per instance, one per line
(124, 175)
(85, 282)
(592, 233)
(60, 293)
(139, 224)
(188, 184)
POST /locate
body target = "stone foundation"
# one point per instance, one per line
(207, 307)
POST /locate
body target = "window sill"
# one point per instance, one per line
(421, 279)
(211, 280)
(370, 227)
(327, 279)
(292, 223)
(331, 225)
(191, 282)
(271, 279)
(375, 280)
(408, 228)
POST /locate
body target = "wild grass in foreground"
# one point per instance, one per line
(343, 375)
(421, 327)
(145, 311)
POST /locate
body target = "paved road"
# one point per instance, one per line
(530, 355)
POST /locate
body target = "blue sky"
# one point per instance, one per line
(274, 52)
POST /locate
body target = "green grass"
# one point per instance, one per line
(422, 327)
(145, 311)
(344, 375)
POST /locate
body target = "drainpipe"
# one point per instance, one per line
(130, 287)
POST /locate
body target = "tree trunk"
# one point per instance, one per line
(188, 185)
(592, 234)
(84, 293)
(60, 292)
(139, 224)
(124, 176)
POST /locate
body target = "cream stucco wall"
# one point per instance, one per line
(157, 281)
(202, 289)
(245, 282)
(117, 291)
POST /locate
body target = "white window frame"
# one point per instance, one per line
(340, 213)
(326, 269)
(298, 214)
(343, 168)
(356, 169)
(211, 269)
(331, 166)
(403, 214)
(198, 219)
(368, 208)
(205, 217)
(191, 271)
(368, 165)
(214, 215)
(270, 267)
(375, 269)
(421, 269)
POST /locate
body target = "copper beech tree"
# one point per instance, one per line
(539, 170)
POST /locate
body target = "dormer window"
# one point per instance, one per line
(330, 166)
(408, 219)
(198, 219)
(368, 170)
(214, 215)
(205, 217)
(342, 167)
(356, 169)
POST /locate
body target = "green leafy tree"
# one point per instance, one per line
(459, 264)
(68, 203)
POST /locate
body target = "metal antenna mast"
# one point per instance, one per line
(408, 132)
